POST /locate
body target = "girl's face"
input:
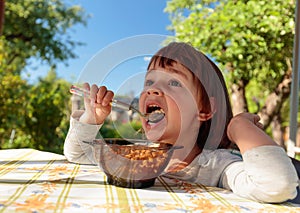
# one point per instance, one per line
(172, 90)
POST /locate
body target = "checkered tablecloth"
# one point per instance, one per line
(36, 181)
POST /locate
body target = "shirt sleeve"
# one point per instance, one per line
(266, 174)
(74, 149)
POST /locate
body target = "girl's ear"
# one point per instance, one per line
(202, 116)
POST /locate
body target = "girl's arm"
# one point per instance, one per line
(74, 149)
(266, 172)
(85, 124)
(245, 130)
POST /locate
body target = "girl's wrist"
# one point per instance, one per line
(90, 120)
(235, 126)
(229, 129)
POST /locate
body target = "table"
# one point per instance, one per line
(36, 181)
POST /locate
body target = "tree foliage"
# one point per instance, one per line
(13, 98)
(40, 29)
(47, 113)
(36, 115)
(41, 118)
(250, 40)
(124, 130)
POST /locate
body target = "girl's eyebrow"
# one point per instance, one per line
(178, 72)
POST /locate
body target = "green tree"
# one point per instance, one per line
(43, 121)
(48, 112)
(2, 3)
(131, 129)
(13, 98)
(38, 29)
(252, 41)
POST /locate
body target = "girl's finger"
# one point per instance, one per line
(107, 98)
(87, 100)
(260, 125)
(86, 86)
(93, 93)
(256, 118)
(101, 93)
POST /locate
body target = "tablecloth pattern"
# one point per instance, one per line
(36, 181)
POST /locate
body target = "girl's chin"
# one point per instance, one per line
(153, 135)
(155, 131)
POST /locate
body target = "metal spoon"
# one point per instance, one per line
(152, 117)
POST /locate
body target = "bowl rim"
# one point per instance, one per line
(138, 142)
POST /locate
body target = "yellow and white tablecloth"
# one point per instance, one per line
(36, 181)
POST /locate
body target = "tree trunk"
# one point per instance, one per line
(2, 10)
(277, 130)
(238, 98)
(275, 100)
(270, 112)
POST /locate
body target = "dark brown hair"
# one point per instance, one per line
(210, 78)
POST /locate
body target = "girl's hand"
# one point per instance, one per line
(243, 119)
(97, 106)
(247, 132)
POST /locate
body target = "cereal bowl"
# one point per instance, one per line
(133, 163)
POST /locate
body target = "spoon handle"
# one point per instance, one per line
(114, 103)
(120, 105)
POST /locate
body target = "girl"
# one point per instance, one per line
(190, 90)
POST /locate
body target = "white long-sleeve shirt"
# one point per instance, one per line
(264, 174)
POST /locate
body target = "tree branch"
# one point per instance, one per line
(2, 10)
(275, 100)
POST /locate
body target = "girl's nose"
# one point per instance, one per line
(154, 91)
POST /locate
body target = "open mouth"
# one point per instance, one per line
(156, 113)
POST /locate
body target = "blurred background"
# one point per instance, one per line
(45, 45)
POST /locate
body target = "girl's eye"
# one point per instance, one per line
(175, 83)
(148, 83)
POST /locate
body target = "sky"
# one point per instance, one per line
(110, 22)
